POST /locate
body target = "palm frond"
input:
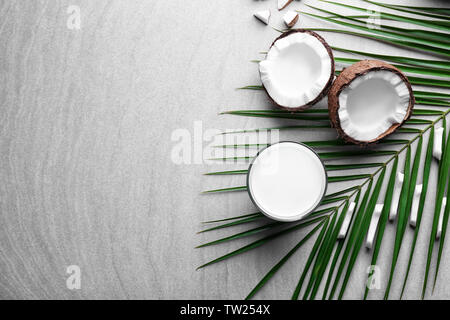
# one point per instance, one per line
(443, 177)
(424, 12)
(328, 252)
(244, 234)
(310, 260)
(384, 39)
(261, 241)
(383, 219)
(234, 223)
(352, 241)
(427, 63)
(232, 218)
(402, 216)
(272, 271)
(441, 11)
(434, 24)
(362, 231)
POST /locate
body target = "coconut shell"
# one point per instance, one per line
(345, 78)
(293, 22)
(327, 87)
(285, 5)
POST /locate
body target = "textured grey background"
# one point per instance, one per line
(86, 174)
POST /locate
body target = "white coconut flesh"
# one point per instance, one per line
(372, 103)
(296, 70)
(286, 181)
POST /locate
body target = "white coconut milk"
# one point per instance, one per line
(287, 181)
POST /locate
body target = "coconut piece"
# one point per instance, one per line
(373, 225)
(346, 223)
(441, 218)
(263, 16)
(283, 4)
(287, 181)
(369, 100)
(298, 70)
(437, 143)
(290, 18)
(396, 196)
(415, 205)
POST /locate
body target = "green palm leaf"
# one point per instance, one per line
(362, 231)
(319, 271)
(425, 179)
(348, 178)
(272, 271)
(261, 242)
(442, 182)
(230, 189)
(232, 218)
(436, 64)
(383, 218)
(425, 42)
(434, 24)
(444, 231)
(429, 82)
(310, 261)
(321, 255)
(409, 69)
(441, 11)
(339, 248)
(312, 126)
(424, 12)
(223, 173)
(235, 223)
(402, 219)
(352, 238)
(400, 43)
(244, 234)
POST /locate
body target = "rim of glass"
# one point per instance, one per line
(298, 216)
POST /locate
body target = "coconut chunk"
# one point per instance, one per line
(283, 4)
(263, 16)
(347, 219)
(298, 70)
(373, 225)
(441, 218)
(396, 196)
(369, 100)
(290, 18)
(415, 205)
(437, 143)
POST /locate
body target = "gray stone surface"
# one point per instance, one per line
(87, 118)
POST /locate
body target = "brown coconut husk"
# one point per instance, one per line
(327, 87)
(345, 78)
(293, 22)
(285, 5)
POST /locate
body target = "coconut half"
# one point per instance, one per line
(298, 70)
(369, 100)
